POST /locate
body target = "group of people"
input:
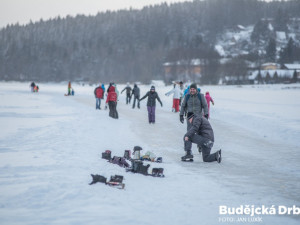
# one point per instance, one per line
(190, 103)
(70, 89)
(34, 87)
(111, 98)
(151, 101)
(113, 94)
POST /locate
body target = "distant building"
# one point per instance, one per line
(281, 36)
(273, 76)
(270, 66)
(291, 66)
(183, 70)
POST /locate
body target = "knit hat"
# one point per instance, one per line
(193, 85)
(152, 88)
(190, 115)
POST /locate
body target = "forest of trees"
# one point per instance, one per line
(131, 45)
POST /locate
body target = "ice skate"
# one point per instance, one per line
(188, 157)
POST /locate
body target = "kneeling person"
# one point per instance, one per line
(201, 133)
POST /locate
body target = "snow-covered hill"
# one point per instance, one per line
(50, 144)
(237, 41)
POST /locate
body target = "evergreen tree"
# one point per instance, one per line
(295, 77)
(281, 20)
(259, 77)
(289, 53)
(131, 45)
(268, 78)
(260, 31)
(271, 50)
(276, 78)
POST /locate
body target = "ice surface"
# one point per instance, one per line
(51, 143)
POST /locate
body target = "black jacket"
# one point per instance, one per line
(128, 90)
(152, 96)
(136, 91)
(201, 126)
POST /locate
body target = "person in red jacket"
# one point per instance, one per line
(208, 100)
(98, 92)
(112, 102)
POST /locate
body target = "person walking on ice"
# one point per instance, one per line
(69, 88)
(112, 102)
(128, 92)
(152, 96)
(98, 92)
(201, 133)
(208, 100)
(136, 96)
(177, 94)
(193, 102)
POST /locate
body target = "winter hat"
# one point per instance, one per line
(152, 88)
(207, 93)
(190, 115)
(193, 85)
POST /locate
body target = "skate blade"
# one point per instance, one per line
(116, 185)
(187, 160)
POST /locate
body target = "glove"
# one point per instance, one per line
(206, 116)
(181, 119)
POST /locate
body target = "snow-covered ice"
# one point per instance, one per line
(50, 144)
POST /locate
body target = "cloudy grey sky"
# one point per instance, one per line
(22, 11)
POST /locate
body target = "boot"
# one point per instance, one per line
(188, 156)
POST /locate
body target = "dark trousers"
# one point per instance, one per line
(128, 98)
(151, 114)
(113, 110)
(201, 141)
(136, 98)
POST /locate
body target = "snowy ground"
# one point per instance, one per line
(50, 144)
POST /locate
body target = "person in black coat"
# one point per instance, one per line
(128, 91)
(151, 103)
(201, 133)
(136, 95)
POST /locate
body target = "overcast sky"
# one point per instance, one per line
(22, 11)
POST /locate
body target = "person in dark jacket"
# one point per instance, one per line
(152, 96)
(32, 85)
(193, 102)
(98, 92)
(110, 84)
(112, 102)
(128, 92)
(201, 133)
(136, 94)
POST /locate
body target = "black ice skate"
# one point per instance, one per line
(188, 157)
